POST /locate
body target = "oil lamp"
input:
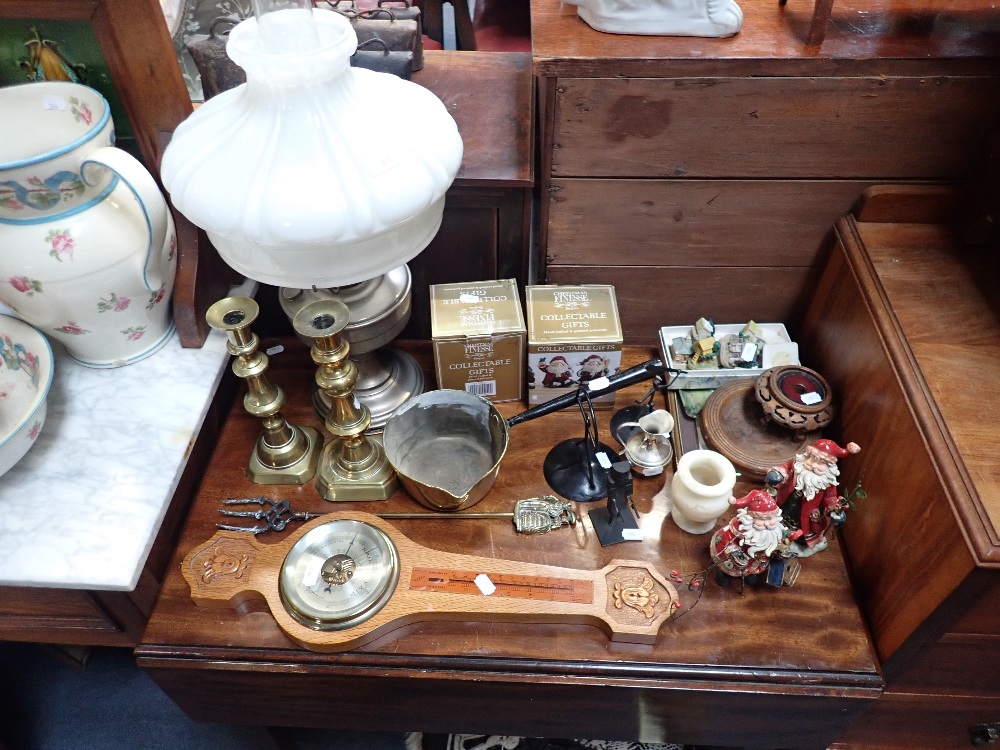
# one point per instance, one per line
(299, 176)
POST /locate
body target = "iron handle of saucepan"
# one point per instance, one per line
(619, 380)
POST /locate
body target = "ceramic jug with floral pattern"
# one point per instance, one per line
(87, 244)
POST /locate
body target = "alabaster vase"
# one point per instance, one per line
(87, 245)
(314, 173)
(700, 490)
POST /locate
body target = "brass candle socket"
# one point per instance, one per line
(353, 466)
(283, 453)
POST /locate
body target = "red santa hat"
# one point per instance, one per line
(592, 358)
(830, 448)
(558, 358)
(757, 502)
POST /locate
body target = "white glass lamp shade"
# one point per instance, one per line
(314, 173)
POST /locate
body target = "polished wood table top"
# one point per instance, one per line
(798, 659)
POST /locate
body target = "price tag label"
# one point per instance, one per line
(54, 102)
(632, 535)
(598, 383)
(810, 398)
(485, 585)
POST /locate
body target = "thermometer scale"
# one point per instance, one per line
(347, 578)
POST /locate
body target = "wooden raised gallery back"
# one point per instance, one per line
(904, 324)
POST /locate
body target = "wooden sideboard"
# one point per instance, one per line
(703, 175)
(904, 324)
(793, 664)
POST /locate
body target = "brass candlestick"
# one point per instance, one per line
(353, 466)
(284, 453)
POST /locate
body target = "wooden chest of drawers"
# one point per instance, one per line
(702, 176)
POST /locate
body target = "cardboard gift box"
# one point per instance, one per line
(574, 337)
(478, 335)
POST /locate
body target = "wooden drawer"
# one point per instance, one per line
(653, 296)
(773, 127)
(965, 660)
(29, 609)
(900, 721)
(956, 666)
(694, 222)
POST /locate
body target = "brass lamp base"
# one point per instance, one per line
(269, 465)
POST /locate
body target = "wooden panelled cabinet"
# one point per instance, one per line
(904, 324)
(702, 176)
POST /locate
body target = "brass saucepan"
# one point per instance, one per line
(446, 445)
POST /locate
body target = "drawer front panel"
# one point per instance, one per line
(956, 666)
(880, 127)
(694, 222)
(653, 296)
(39, 609)
(913, 722)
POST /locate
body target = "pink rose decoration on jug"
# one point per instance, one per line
(25, 285)
(115, 304)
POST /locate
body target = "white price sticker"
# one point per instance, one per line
(632, 535)
(469, 298)
(485, 585)
(54, 102)
(597, 383)
(810, 398)
(276, 349)
(603, 460)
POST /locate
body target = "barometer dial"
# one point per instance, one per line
(338, 575)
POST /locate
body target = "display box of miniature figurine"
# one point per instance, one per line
(741, 350)
(574, 338)
(478, 336)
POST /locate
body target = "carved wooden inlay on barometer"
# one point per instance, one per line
(347, 578)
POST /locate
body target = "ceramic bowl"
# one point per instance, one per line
(26, 367)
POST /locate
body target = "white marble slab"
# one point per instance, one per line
(82, 508)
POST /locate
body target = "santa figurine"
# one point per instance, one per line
(593, 367)
(558, 373)
(806, 490)
(744, 547)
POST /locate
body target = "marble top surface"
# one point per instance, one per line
(82, 508)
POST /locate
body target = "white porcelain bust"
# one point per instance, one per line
(712, 18)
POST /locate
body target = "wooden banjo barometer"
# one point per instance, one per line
(347, 578)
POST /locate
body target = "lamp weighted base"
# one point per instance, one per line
(387, 379)
(573, 470)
